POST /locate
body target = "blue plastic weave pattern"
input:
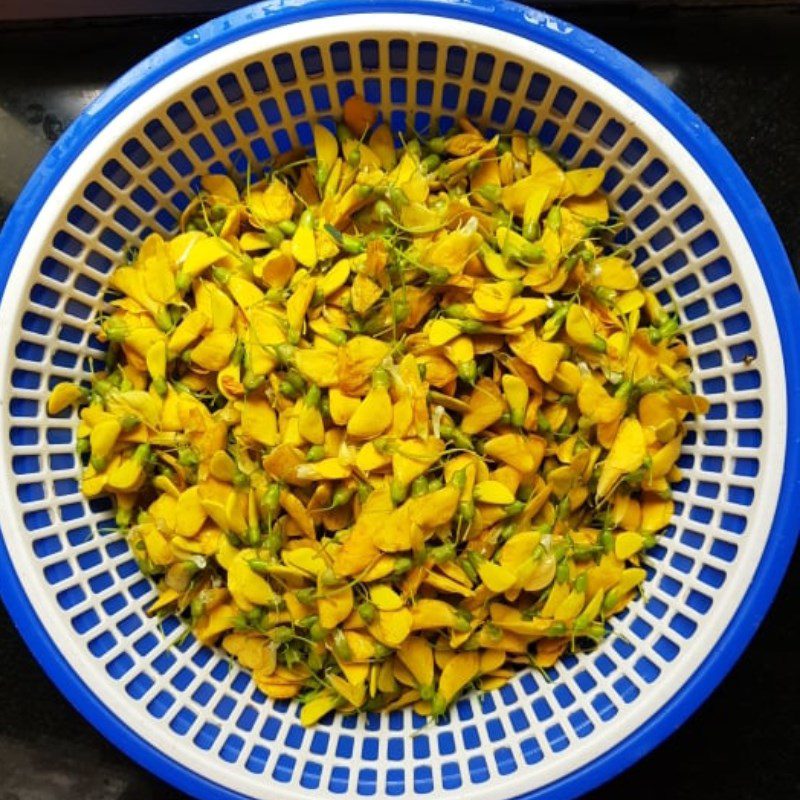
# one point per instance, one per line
(249, 93)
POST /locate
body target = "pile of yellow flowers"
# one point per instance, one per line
(391, 422)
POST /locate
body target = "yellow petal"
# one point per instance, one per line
(213, 623)
(432, 614)
(104, 436)
(414, 457)
(275, 204)
(543, 356)
(187, 331)
(512, 449)
(329, 469)
(358, 360)
(310, 425)
(656, 513)
(493, 492)
(214, 350)
(627, 544)
(417, 656)
(335, 278)
(63, 395)
(630, 578)
(220, 186)
(204, 253)
(355, 695)
(297, 305)
(495, 577)
(664, 458)
(304, 246)
(190, 515)
(158, 548)
(335, 606)
(537, 201)
(626, 455)
(373, 415)
(595, 402)
(583, 182)
(615, 273)
(246, 587)
(320, 367)
(442, 331)
(316, 708)
(447, 585)
(486, 406)
(580, 325)
(326, 146)
(392, 627)
(497, 265)
(381, 143)
(259, 422)
(244, 292)
(342, 406)
(435, 508)
(458, 672)
(364, 293)
(494, 298)
(384, 598)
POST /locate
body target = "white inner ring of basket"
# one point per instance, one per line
(719, 218)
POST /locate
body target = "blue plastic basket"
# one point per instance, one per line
(244, 88)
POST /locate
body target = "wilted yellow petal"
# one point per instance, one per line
(359, 116)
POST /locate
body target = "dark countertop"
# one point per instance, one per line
(740, 70)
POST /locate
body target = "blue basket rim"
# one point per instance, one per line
(690, 131)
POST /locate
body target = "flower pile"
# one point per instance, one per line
(393, 421)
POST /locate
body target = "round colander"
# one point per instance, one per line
(242, 89)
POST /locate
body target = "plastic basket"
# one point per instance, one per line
(244, 88)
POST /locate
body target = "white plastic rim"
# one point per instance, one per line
(702, 543)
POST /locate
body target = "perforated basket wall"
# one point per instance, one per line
(130, 167)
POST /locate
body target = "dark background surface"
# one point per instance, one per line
(739, 68)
